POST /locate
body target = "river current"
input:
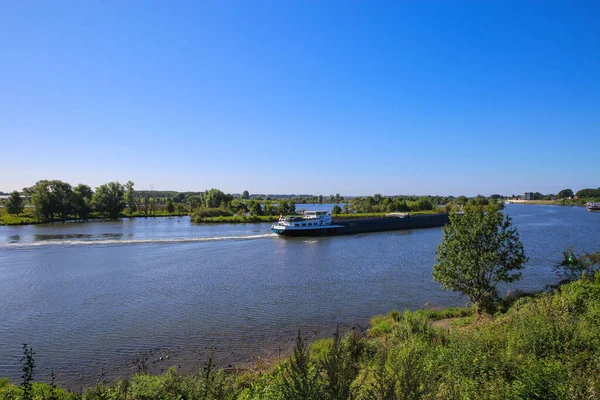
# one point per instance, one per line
(92, 297)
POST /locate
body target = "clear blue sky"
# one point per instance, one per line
(355, 97)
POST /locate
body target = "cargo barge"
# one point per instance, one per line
(320, 223)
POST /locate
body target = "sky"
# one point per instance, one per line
(320, 97)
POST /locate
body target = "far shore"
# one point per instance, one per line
(27, 218)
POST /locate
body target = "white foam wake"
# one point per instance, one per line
(109, 242)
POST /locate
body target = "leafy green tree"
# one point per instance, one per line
(479, 250)
(214, 198)
(14, 204)
(461, 200)
(245, 195)
(82, 198)
(346, 209)
(286, 207)
(195, 202)
(50, 198)
(41, 198)
(255, 208)
(588, 193)
(109, 199)
(336, 209)
(538, 196)
(130, 197)
(565, 194)
(169, 206)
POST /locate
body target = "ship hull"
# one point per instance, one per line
(350, 227)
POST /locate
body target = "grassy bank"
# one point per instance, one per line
(543, 346)
(28, 217)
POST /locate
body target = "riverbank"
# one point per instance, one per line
(273, 218)
(28, 217)
(538, 345)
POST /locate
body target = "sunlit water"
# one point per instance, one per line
(90, 297)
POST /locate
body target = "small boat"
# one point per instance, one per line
(593, 206)
(312, 223)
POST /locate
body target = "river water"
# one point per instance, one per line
(91, 297)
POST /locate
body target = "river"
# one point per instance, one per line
(91, 297)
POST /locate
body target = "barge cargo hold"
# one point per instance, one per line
(367, 225)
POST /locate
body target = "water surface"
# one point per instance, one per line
(90, 297)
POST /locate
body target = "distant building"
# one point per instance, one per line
(528, 196)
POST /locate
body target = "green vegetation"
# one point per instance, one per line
(589, 193)
(383, 204)
(565, 194)
(54, 200)
(575, 265)
(24, 218)
(480, 249)
(14, 204)
(544, 346)
(109, 199)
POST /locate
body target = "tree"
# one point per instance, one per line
(587, 193)
(336, 209)
(109, 199)
(14, 204)
(169, 206)
(50, 198)
(82, 197)
(255, 208)
(479, 250)
(214, 197)
(130, 197)
(565, 194)
(245, 195)
(346, 209)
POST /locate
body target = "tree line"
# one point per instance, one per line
(57, 200)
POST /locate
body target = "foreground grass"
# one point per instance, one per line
(543, 347)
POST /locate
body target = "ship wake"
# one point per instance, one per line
(121, 242)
